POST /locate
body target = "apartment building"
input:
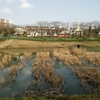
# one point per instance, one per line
(5, 22)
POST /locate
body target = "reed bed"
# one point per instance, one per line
(77, 51)
(42, 69)
(10, 75)
(27, 55)
(67, 58)
(11, 72)
(44, 74)
(76, 57)
(88, 75)
(5, 60)
(91, 57)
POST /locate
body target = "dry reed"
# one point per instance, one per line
(67, 58)
(42, 68)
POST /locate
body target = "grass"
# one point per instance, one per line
(77, 51)
(74, 97)
(45, 39)
(53, 39)
(48, 42)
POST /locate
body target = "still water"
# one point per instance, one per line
(24, 80)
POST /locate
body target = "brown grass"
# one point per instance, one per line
(42, 68)
(77, 51)
(67, 57)
(88, 75)
(34, 44)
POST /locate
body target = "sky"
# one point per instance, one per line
(29, 12)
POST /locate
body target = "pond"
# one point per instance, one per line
(24, 81)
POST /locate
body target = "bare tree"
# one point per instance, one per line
(65, 25)
(88, 27)
(96, 26)
(56, 25)
(73, 25)
(40, 25)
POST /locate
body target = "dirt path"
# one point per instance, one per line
(5, 43)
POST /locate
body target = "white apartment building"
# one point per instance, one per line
(5, 22)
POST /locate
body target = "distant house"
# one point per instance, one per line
(19, 31)
(77, 31)
(33, 34)
(64, 33)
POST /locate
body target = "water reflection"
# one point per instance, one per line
(72, 84)
(21, 84)
(25, 80)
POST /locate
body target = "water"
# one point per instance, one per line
(24, 80)
(72, 84)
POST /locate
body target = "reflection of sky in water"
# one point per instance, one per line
(24, 78)
(72, 84)
(21, 84)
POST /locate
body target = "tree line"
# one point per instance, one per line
(90, 28)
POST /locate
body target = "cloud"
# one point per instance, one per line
(9, 1)
(6, 10)
(23, 1)
(25, 4)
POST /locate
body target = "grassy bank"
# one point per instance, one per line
(53, 39)
(74, 97)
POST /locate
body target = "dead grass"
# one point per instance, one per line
(6, 43)
(67, 57)
(42, 69)
(78, 51)
(88, 75)
(11, 43)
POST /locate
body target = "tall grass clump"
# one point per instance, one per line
(77, 51)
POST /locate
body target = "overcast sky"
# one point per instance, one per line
(23, 12)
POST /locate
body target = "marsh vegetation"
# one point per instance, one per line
(59, 72)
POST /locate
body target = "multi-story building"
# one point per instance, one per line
(5, 22)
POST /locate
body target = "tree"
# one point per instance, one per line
(65, 25)
(40, 24)
(11, 31)
(73, 25)
(25, 33)
(96, 26)
(88, 27)
(5, 33)
(56, 26)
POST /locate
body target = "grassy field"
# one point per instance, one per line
(15, 43)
